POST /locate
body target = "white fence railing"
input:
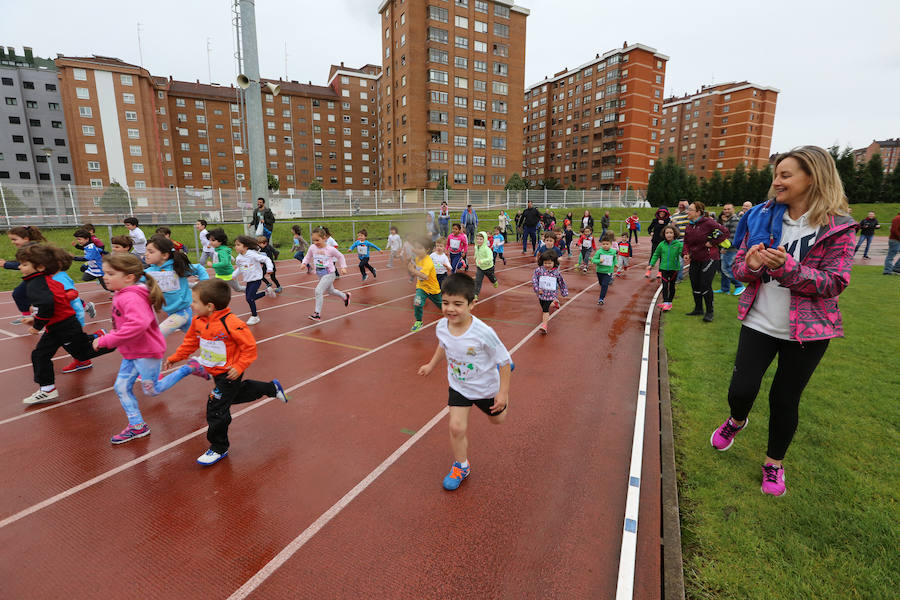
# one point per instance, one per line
(46, 205)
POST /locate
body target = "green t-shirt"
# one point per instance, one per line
(605, 260)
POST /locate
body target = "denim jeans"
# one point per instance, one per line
(893, 250)
(529, 232)
(444, 226)
(151, 384)
(859, 242)
(726, 272)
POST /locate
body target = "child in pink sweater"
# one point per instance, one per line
(457, 246)
(137, 337)
(322, 257)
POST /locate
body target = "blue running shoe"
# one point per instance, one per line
(211, 457)
(455, 476)
(279, 391)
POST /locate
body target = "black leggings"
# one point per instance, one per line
(702, 274)
(252, 294)
(796, 364)
(274, 280)
(364, 264)
(668, 284)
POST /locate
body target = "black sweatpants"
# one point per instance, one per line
(668, 284)
(66, 334)
(218, 406)
(702, 274)
(364, 264)
(480, 274)
(274, 280)
(89, 277)
(796, 364)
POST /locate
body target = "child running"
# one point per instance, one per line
(427, 287)
(668, 252)
(484, 262)
(586, 245)
(299, 245)
(441, 262)
(222, 264)
(137, 337)
(497, 244)
(121, 244)
(362, 245)
(94, 239)
(272, 252)
(457, 247)
(227, 348)
(394, 243)
(207, 253)
(624, 252)
(250, 264)
(38, 263)
(93, 270)
(473, 352)
(167, 233)
(171, 269)
(605, 258)
(548, 284)
(322, 257)
(20, 237)
(138, 239)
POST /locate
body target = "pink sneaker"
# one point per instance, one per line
(722, 438)
(197, 369)
(773, 480)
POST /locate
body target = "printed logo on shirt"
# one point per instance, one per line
(798, 249)
(471, 352)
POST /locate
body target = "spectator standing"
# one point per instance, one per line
(680, 220)
(530, 219)
(893, 248)
(263, 222)
(867, 229)
(469, 222)
(604, 223)
(729, 220)
(655, 229)
(444, 219)
(702, 238)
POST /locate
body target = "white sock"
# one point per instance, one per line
(465, 464)
(48, 388)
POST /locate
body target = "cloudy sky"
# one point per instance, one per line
(837, 64)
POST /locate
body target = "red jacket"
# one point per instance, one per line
(697, 234)
(48, 296)
(895, 228)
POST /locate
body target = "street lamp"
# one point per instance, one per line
(48, 152)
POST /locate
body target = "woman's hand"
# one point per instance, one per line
(774, 258)
(753, 259)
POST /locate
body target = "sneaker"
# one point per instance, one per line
(708, 317)
(77, 365)
(496, 284)
(600, 302)
(41, 396)
(416, 326)
(279, 391)
(99, 333)
(132, 432)
(722, 438)
(253, 320)
(347, 299)
(556, 303)
(455, 476)
(374, 275)
(658, 275)
(279, 289)
(721, 292)
(270, 292)
(90, 309)
(364, 277)
(20, 319)
(476, 297)
(773, 480)
(647, 273)
(739, 291)
(211, 457)
(543, 329)
(197, 369)
(315, 317)
(694, 313)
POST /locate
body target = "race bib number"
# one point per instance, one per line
(321, 261)
(166, 280)
(213, 353)
(362, 250)
(586, 244)
(454, 244)
(606, 260)
(547, 283)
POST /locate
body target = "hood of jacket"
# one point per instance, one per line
(662, 213)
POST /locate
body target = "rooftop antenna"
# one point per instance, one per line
(140, 48)
(285, 62)
(208, 60)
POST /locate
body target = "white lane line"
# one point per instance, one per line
(104, 476)
(282, 557)
(627, 556)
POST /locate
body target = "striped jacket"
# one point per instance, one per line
(815, 282)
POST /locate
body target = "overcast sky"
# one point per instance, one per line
(837, 64)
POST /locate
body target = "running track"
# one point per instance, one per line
(337, 494)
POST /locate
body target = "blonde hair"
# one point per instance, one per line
(826, 191)
(129, 264)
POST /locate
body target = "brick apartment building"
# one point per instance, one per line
(719, 127)
(594, 126)
(450, 95)
(32, 124)
(888, 149)
(149, 132)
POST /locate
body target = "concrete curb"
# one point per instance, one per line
(672, 565)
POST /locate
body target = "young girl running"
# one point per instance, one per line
(441, 262)
(394, 243)
(331, 242)
(668, 252)
(484, 262)
(322, 257)
(137, 336)
(457, 246)
(299, 246)
(250, 264)
(497, 244)
(587, 245)
(223, 268)
(548, 284)
(171, 269)
(20, 237)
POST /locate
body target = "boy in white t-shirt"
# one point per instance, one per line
(478, 369)
(394, 243)
(208, 253)
(138, 239)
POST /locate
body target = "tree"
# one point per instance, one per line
(516, 182)
(846, 167)
(875, 173)
(443, 184)
(758, 184)
(274, 184)
(550, 183)
(315, 186)
(736, 190)
(890, 192)
(115, 200)
(14, 206)
(713, 190)
(572, 188)
(670, 182)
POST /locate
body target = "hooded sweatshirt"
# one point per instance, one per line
(222, 265)
(484, 256)
(135, 331)
(655, 229)
(176, 290)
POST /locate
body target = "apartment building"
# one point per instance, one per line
(594, 126)
(33, 137)
(450, 94)
(719, 127)
(888, 149)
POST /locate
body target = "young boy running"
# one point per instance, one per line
(473, 353)
(227, 348)
(362, 245)
(423, 269)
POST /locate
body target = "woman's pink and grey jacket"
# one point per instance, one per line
(815, 282)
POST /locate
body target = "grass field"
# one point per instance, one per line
(835, 534)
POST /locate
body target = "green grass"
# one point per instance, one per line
(835, 534)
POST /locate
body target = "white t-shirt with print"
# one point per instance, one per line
(441, 263)
(394, 242)
(472, 359)
(770, 313)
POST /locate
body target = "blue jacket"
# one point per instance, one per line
(762, 225)
(465, 223)
(94, 257)
(68, 284)
(178, 299)
(365, 243)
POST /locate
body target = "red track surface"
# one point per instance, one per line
(540, 517)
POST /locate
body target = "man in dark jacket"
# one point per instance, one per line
(530, 219)
(262, 216)
(867, 229)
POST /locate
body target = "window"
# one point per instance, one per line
(11, 101)
(82, 93)
(480, 85)
(460, 101)
(480, 46)
(22, 157)
(79, 74)
(438, 35)
(93, 165)
(481, 6)
(125, 79)
(7, 80)
(499, 106)
(478, 161)
(437, 14)
(462, 22)
(128, 98)
(500, 88)
(479, 143)
(439, 97)
(18, 139)
(90, 148)
(38, 141)
(31, 104)
(498, 143)
(460, 178)
(435, 76)
(460, 140)
(56, 124)
(461, 62)
(501, 69)
(498, 161)
(459, 159)
(481, 66)
(461, 42)
(461, 83)
(15, 121)
(96, 183)
(135, 150)
(501, 11)
(459, 121)
(130, 115)
(87, 130)
(501, 30)
(481, 27)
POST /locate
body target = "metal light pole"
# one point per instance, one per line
(48, 152)
(256, 141)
